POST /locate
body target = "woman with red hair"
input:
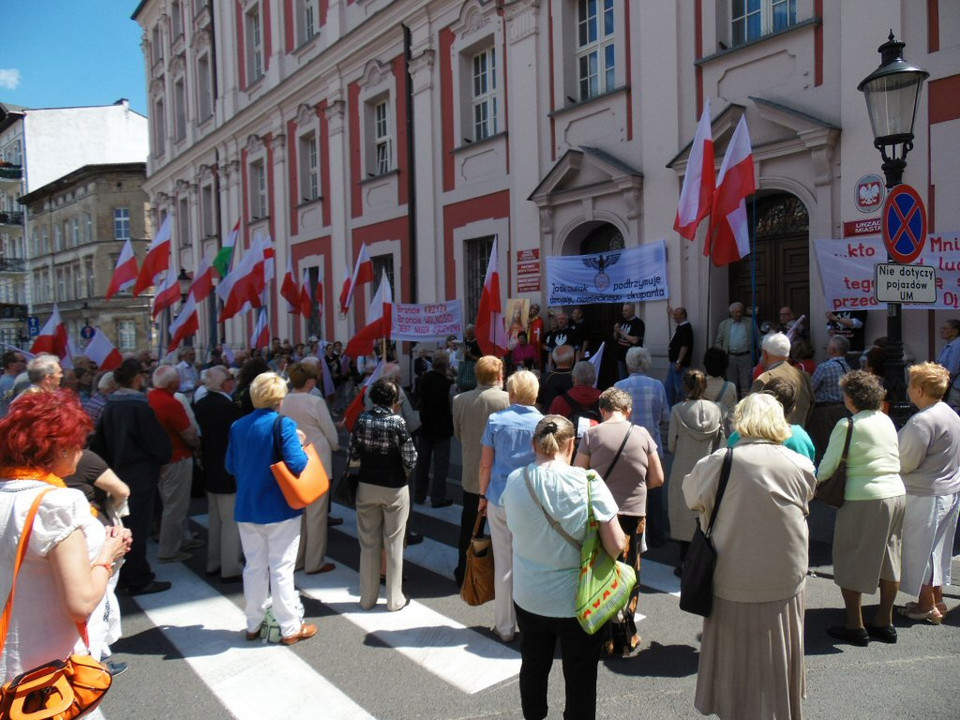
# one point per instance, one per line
(70, 555)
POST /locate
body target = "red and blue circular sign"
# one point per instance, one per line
(904, 224)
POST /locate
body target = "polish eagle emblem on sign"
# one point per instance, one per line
(600, 263)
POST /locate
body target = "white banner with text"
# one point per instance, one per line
(427, 321)
(618, 276)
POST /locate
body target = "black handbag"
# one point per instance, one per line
(346, 491)
(831, 491)
(696, 582)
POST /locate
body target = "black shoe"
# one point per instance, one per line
(334, 521)
(154, 586)
(857, 637)
(231, 579)
(115, 668)
(446, 502)
(887, 633)
(678, 571)
(414, 538)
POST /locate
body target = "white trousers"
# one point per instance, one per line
(174, 487)
(223, 539)
(381, 525)
(929, 523)
(271, 551)
(504, 614)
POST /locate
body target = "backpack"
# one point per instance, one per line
(582, 417)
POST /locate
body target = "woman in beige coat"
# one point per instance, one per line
(312, 416)
(696, 430)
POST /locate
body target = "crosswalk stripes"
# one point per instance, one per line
(205, 628)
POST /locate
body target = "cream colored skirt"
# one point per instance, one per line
(751, 660)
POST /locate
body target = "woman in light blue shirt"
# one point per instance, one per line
(548, 568)
(506, 446)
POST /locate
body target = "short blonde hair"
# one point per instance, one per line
(523, 387)
(488, 369)
(761, 416)
(267, 390)
(930, 377)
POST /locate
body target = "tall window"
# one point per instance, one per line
(75, 232)
(176, 18)
(208, 210)
(309, 174)
(57, 238)
(156, 44)
(87, 227)
(183, 221)
(159, 127)
(79, 286)
(204, 88)
(121, 223)
(126, 335)
(381, 138)
(258, 190)
(476, 252)
(752, 19)
(596, 54)
(485, 111)
(61, 286)
(381, 264)
(307, 20)
(254, 37)
(91, 277)
(179, 110)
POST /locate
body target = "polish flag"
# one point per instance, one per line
(289, 290)
(125, 274)
(53, 336)
(167, 294)
(186, 324)
(354, 409)
(344, 290)
(157, 259)
(101, 351)
(269, 257)
(261, 331)
(202, 284)
(362, 273)
(728, 239)
(700, 180)
(306, 302)
(241, 289)
(597, 360)
(490, 333)
(379, 322)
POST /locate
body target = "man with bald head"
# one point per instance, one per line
(628, 333)
(774, 356)
(176, 476)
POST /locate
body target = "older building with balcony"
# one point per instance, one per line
(78, 226)
(561, 127)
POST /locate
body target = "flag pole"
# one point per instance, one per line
(753, 279)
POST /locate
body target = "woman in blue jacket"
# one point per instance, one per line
(269, 527)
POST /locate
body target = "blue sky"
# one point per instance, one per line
(65, 53)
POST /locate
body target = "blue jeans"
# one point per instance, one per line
(674, 384)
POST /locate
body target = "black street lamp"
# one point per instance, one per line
(892, 93)
(184, 280)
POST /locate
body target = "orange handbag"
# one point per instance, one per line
(305, 488)
(59, 690)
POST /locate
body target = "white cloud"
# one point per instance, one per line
(9, 78)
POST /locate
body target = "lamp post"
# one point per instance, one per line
(892, 94)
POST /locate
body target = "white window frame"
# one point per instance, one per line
(253, 38)
(126, 335)
(382, 137)
(377, 86)
(87, 227)
(763, 14)
(176, 20)
(258, 189)
(309, 166)
(204, 88)
(156, 44)
(595, 41)
(159, 126)
(57, 238)
(121, 223)
(485, 95)
(179, 109)
(91, 277)
(183, 222)
(75, 232)
(308, 21)
(208, 209)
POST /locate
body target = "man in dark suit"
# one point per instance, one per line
(679, 353)
(215, 413)
(436, 429)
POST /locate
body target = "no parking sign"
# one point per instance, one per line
(904, 224)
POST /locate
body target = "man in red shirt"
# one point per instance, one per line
(535, 332)
(176, 476)
(580, 401)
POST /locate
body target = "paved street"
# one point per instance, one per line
(436, 660)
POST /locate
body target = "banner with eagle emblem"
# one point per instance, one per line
(617, 276)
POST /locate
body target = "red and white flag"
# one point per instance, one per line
(158, 257)
(489, 326)
(289, 290)
(202, 284)
(362, 273)
(53, 336)
(728, 239)
(700, 180)
(355, 407)
(345, 289)
(306, 302)
(186, 324)
(125, 273)
(101, 351)
(261, 331)
(241, 289)
(167, 294)
(379, 322)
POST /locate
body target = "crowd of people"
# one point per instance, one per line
(123, 451)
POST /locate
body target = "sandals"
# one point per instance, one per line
(931, 616)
